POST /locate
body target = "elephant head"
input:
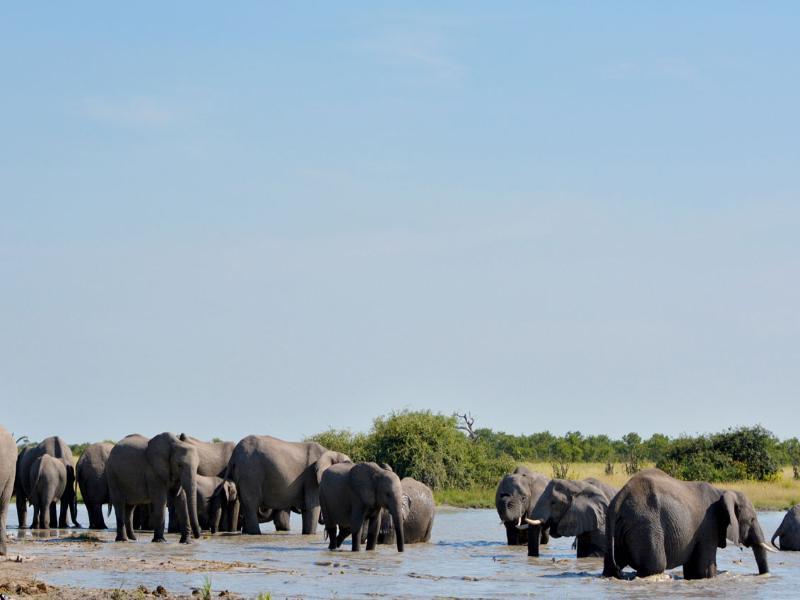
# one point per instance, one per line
(514, 496)
(327, 459)
(175, 463)
(376, 488)
(574, 508)
(739, 524)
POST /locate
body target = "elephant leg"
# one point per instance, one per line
(51, 516)
(119, 514)
(545, 536)
(372, 531)
(173, 523)
(651, 559)
(280, 519)
(610, 569)
(63, 510)
(702, 563)
(96, 520)
(343, 533)
(332, 536)
(357, 524)
(22, 510)
(310, 520)
(158, 503)
(129, 522)
(46, 514)
(512, 534)
(6, 493)
(35, 520)
(250, 512)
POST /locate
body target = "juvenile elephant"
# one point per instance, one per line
(573, 508)
(352, 493)
(93, 483)
(273, 474)
(789, 530)
(657, 523)
(214, 497)
(48, 480)
(142, 471)
(8, 464)
(516, 495)
(58, 449)
(418, 509)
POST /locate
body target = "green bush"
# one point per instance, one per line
(344, 440)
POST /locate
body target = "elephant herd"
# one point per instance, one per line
(217, 486)
(654, 523)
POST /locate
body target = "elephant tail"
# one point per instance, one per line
(611, 535)
(778, 532)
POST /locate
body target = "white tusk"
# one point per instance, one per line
(768, 547)
(519, 521)
(536, 522)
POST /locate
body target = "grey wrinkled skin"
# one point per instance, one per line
(91, 475)
(574, 508)
(418, 509)
(58, 449)
(788, 532)
(213, 459)
(8, 465)
(142, 471)
(352, 494)
(657, 523)
(273, 474)
(48, 480)
(515, 497)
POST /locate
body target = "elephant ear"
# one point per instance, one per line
(729, 522)
(586, 512)
(229, 491)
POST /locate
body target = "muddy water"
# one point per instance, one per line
(466, 558)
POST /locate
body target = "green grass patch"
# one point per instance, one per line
(479, 497)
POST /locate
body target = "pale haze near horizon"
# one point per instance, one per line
(279, 219)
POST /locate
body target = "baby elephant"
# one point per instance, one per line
(48, 479)
(418, 508)
(350, 494)
(789, 531)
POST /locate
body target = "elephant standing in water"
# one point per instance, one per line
(142, 471)
(418, 509)
(353, 493)
(788, 532)
(272, 474)
(8, 464)
(58, 449)
(573, 508)
(93, 483)
(657, 523)
(48, 480)
(516, 495)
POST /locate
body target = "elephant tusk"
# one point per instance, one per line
(768, 547)
(535, 522)
(519, 522)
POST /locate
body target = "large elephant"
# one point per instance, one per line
(515, 497)
(48, 480)
(418, 509)
(573, 508)
(142, 471)
(657, 523)
(273, 474)
(8, 464)
(788, 532)
(93, 483)
(213, 459)
(350, 494)
(58, 449)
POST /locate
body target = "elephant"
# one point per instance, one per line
(147, 471)
(789, 530)
(8, 465)
(93, 483)
(48, 480)
(214, 495)
(273, 474)
(657, 523)
(58, 449)
(573, 508)
(418, 509)
(351, 493)
(515, 497)
(213, 460)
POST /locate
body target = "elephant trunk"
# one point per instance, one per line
(215, 513)
(760, 548)
(397, 518)
(189, 485)
(777, 534)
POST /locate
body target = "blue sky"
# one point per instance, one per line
(279, 218)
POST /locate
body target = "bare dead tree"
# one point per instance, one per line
(467, 424)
